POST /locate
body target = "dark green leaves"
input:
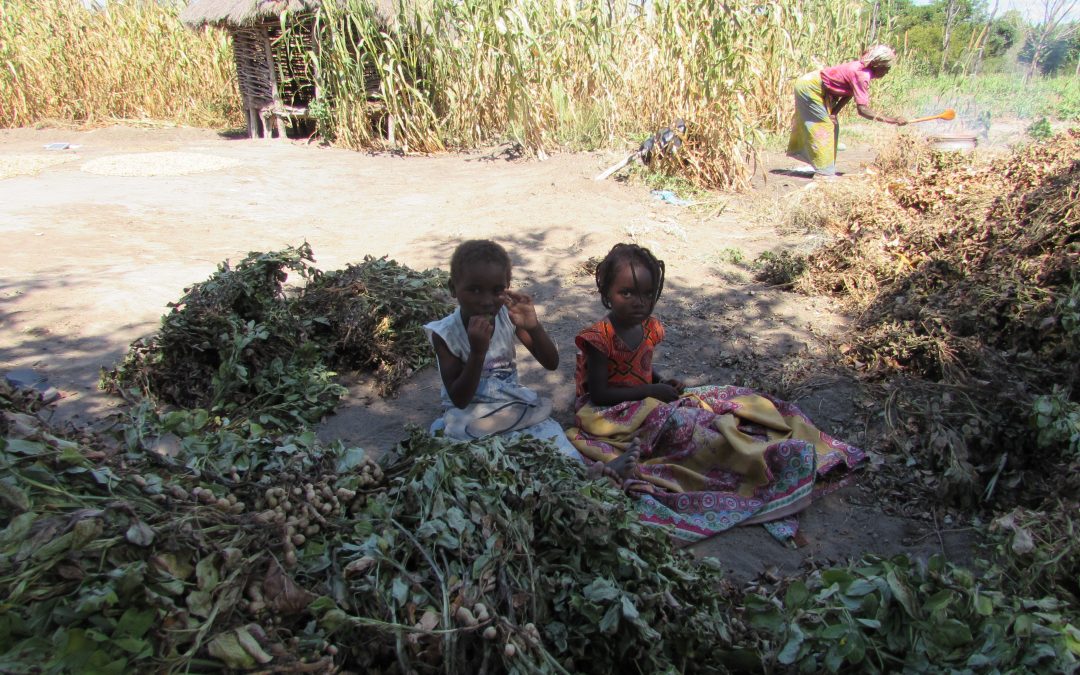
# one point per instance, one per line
(888, 615)
(501, 523)
(242, 348)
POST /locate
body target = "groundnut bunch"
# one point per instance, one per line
(227, 502)
(305, 509)
(371, 475)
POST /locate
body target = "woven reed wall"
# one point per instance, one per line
(284, 66)
(273, 69)
(372, 83)
(254, 71)
(296, 82)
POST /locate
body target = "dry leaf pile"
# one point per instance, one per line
(964, 275)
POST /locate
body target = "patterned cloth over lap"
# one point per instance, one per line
(717, 457)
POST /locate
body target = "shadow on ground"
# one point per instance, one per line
(100, 257)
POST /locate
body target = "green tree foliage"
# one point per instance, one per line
(966, 36)
(921, 29)
(1060, 56)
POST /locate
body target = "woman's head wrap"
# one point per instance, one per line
(878, 56)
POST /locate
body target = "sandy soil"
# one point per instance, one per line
(93, 257)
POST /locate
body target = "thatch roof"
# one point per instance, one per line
(199, 13)
(240, 12)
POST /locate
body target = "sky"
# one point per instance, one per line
(1030, 9)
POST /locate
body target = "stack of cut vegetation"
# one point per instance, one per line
(497, 556)
(242, 346)
(233, 339)
(119, 563)
(965, 277)
(371, 316)
(278, 554)
(492, 555)
(888, 616)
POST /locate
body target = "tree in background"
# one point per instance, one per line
(1003, 43)
(951, 36)
(963, 36)
(1050, 42)
(951, 14)
(1074, 52)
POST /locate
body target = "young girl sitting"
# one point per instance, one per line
(703, 459)
(475, 347)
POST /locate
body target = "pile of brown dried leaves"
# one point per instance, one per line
(964, 276)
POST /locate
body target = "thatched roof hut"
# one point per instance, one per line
(245, 12)
(275, 81)
(237, 13)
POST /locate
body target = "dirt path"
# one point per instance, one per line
(93, 258)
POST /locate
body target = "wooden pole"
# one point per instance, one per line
(268, 54)
(618, 165)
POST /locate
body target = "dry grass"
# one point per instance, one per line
(551, 74)
(60, 61)
(548, 74)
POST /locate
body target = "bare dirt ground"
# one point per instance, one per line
(91, 259)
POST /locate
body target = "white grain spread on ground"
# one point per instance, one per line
(158, 164)
(30, 164)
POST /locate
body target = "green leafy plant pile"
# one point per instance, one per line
(232, 345)
(245, 348)
(887, 616)
(497, 556)
(128, 561)
(297, 557)
(963, 275)
(281, 554)
(372, 316)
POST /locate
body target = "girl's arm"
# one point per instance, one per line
(677, 384)
(530, 331)
(460, 378)
(602, 393)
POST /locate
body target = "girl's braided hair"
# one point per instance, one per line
(477, 251)
(629, 253)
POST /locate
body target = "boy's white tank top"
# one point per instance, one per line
(499, 375)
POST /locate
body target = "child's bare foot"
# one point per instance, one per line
(625, 466)
(622, 467)
(599, 469)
